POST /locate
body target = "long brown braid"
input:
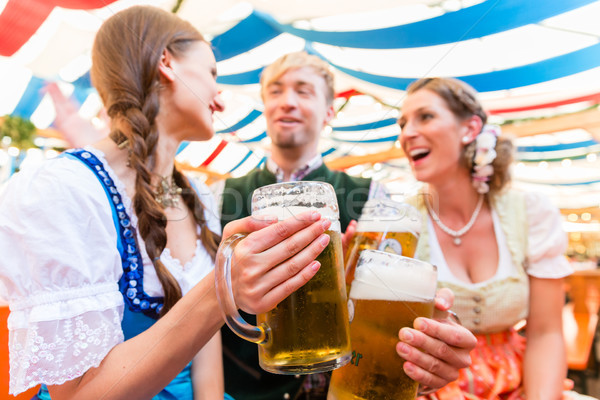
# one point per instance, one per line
(125, 59)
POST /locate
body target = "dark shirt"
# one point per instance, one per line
(244, 379)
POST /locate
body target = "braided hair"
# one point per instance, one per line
(125, 59)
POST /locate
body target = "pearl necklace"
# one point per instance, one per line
(461, 232)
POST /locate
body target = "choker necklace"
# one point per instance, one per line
(461, 232)
(167, 192)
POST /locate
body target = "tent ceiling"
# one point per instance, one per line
(529, 59)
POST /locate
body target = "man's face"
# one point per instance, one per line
(296, 108)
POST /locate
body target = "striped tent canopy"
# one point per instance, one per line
(535, 63)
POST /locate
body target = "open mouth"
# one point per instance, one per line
(418, 154)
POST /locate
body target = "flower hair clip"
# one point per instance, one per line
(485, 154)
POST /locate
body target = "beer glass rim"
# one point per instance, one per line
(388, 276)
(324, 202)
(408, 210)
(400, 256)
(296, 183)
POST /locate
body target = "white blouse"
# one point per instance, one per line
(60, 269)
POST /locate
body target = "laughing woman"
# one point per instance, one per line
(498, 249)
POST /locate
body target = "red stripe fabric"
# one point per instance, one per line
(215, 153)
(20, 19)
(591, 97)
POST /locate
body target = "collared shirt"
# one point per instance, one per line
(299, 173)
(377, 190)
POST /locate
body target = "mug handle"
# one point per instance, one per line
(229, 310)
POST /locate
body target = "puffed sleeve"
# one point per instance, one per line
(59, 271)
(547, 241)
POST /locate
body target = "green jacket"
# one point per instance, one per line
(244, 379)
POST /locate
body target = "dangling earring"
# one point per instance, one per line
(121, 146)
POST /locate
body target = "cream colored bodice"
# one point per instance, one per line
(498, 304)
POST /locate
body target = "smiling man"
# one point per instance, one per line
(297, 91)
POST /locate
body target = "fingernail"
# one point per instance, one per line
(324, 240)
(315, 265)
(326, 223)
(408, 367)
(442, 302)
(407, 335)
(314, 216)
(420, 324)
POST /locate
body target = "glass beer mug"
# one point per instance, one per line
(384, 225)
(308, 331)
(388, 292)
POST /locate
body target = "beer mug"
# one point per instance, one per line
(384, 225)
(389, 291)
(308, 331)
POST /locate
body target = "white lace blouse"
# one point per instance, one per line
(60, 268)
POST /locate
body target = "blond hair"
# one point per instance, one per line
(297, 60)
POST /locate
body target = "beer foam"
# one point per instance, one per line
(410, 281)
(385, 215)
(391, 224)
(286, 212)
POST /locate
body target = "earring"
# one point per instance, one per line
(465, 139)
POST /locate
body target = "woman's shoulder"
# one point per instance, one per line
(56, 176)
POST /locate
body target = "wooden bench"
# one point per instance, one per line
(580, 323)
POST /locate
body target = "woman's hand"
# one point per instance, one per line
(275, 259)
(436, 349)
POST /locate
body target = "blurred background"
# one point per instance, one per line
(536, 65)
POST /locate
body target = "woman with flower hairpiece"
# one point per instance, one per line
(108, 251)
(499, 250)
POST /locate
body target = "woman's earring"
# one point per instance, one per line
(465, 139)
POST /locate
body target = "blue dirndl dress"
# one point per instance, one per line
(141, 310)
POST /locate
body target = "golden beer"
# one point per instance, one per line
(384, 225)
(309, 330)
(311, 325)
(388, 293)
(401, 243)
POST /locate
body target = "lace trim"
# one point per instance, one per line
(54, 352)
(176, 262)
